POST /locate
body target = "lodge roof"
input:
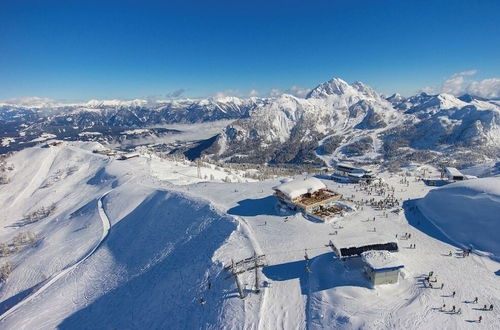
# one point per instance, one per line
(296, 188)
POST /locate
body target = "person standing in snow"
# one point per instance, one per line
(475, 300)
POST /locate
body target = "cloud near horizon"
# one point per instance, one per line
(460, 83)
(294, 90)
(29, 100)
(176, 93)
(274, 92)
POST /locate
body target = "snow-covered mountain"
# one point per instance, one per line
(139, 113)
(445, 122)
(24, 122)
(288, 129)
(362, 123)
(336, 120)
(395, 98)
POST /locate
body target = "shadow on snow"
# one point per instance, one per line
(419, 221)
(327, 272)
(254, 207)
(162, 252)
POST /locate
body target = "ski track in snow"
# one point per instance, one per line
(38, 178)
(106, 225)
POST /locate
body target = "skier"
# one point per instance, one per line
(442, 308)
(485, 307)
(442, 285)
(491, 307)
(480, 318)
(453, 294)
(453, 309)
(459, 311)
(449, 254)
(475, 300)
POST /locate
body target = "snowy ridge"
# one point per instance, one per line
(468, 207)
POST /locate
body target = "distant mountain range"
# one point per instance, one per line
(341, 121)
(336, 120)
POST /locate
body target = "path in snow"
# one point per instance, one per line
(106, 225)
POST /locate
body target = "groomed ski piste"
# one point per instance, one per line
(143, 244)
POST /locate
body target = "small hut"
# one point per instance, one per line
(454, 174)
(381, 267)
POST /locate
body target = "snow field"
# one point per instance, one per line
(172, 233)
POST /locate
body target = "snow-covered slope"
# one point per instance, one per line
(142, 243)
(108, 237)
(468, 212)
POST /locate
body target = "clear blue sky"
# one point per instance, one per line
(77, 50)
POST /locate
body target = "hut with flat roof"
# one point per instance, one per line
(377, 252)
(381, 267)
(454, 174)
